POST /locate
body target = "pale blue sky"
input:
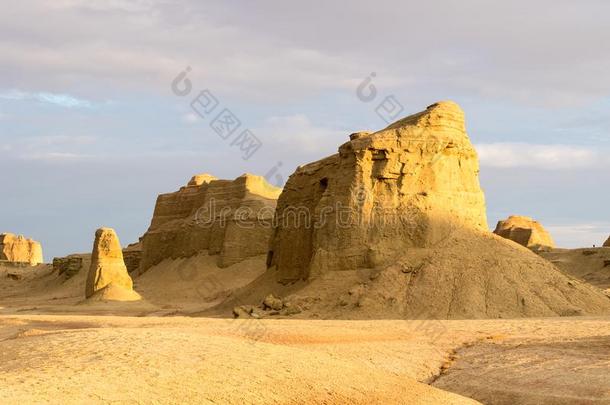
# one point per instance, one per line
(90, 131)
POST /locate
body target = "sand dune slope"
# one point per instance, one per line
(589, 264)
(468, 275)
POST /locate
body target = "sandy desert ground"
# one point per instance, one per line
(115, 359)
(57, 348)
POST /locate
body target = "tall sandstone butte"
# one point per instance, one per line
(526, 232)
(18, 249)
(107, 269)
(400, 212)
(404, 186)
(228, 218)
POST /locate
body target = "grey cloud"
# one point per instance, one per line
(541, 157)
(50, 148)
(547, 53)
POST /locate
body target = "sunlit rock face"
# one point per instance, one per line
(228, 218)
(18, 249)
(526, 232)
(405, 186)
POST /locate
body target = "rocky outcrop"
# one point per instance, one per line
(526, 232)
(402, 187)
(228, 218)
(18, 249)
(69, 266)
(107, 265)
(394, 226)
(607, 242)
(132, 255)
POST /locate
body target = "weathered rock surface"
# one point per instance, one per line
(243, 311)
(393, 226)
(273, 302)
(107, 265)
(526, 232)
(18, 249)
(402, 187)
(607, 242)
(132, 255)
(228, 218)
(69, 266)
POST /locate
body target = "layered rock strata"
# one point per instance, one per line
(526, 232)
(228, 218)
(19, 249)
(402, 187)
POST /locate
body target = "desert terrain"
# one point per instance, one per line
(371, 277)
(57, 347)
(128, 353)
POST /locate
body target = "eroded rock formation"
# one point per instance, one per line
(401, 214)
(69, 266)
(404, 186)
(132, 255)
(228, 218)
(107, 265)
(18, 249)
(526, 232)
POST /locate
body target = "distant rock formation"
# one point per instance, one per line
(107, 266)
(402, 187)
(607, 242)
(228, 218)
(132, 255)
(69, 266)
(18, 249)
(526, 232)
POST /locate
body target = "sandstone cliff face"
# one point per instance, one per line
(228, 218)
(18, 249)
(69, 266)
(132, 255)
(526, 232)
(402, 187)
(107, 265)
